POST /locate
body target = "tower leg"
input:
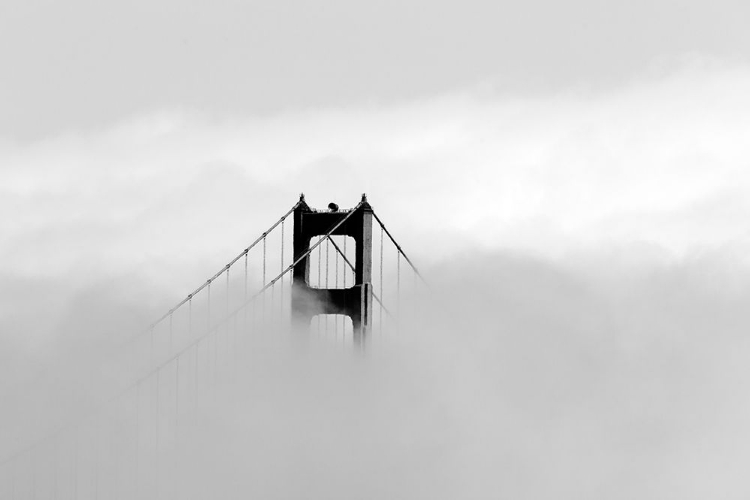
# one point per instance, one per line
(355, 301)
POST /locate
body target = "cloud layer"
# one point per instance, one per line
(587, 251)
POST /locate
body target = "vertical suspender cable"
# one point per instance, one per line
(215, 372)
(208, 309)
(226, 317)
(156, 434)
(197, 371)
(328, 253)
(195, 375)
(336, 270)
(281, 293)
(343, 318)
(151, 345)
(156, 410)
(320, 267)
(190, 317)
(244, 299)
(170, 346)
(55, 453)
(75, 463)
(208, 329)
(272, 311)
(272, 306)
(137, 435)
(32, 458)
(398, 280)
(336, 319)
(190, 334)
(263, 311)
(235, 320)
(214, 333)
(96, 461)
(176, 398)
(320, 281)
(170, 332)
(382, 297)
(273, 302)
(245, 295)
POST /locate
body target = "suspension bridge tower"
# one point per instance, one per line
(354, 301)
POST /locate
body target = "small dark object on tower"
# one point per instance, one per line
(333, 207)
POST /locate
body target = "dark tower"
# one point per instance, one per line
(355, 301)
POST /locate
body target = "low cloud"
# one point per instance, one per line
(585, 333)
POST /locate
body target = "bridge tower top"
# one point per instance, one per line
(354, 301)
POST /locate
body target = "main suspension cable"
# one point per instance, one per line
(343, 255)
(231, 262)
(195, 342)
(398, 247)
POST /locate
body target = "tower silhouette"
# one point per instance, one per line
(354, 301)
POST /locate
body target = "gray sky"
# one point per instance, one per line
(85, 65)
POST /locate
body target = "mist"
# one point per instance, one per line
(513, 376)
(582, 335)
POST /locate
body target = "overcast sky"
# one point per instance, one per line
(573, 177)
(85, 65)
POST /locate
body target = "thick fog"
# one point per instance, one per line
(583, 336)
